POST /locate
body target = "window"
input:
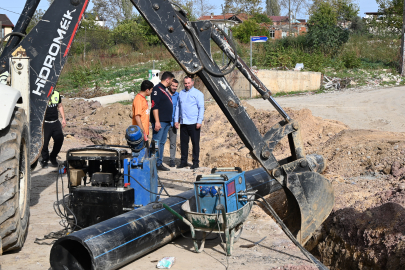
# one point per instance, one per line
(272, 33)
(284, 34)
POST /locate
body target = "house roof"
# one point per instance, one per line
(5, 21)
(279, 18)
(228, 16)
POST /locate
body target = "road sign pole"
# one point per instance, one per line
(250, 85)
(403, 45)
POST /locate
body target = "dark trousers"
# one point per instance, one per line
(53, 130)
(188, 132)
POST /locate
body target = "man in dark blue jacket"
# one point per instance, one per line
(161, 114)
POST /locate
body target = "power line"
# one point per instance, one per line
(10, 11)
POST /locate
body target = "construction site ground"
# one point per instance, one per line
(359, 132)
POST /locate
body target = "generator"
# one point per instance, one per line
(108, 180)
(223, 186)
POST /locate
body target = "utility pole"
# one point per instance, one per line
(403, 44)
(84, 49)
(289, 17)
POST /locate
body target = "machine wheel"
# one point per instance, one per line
(15, 182)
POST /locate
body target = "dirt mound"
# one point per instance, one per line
(221, 146)
(365, 152)
(94, 124)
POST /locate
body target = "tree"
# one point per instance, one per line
(249, 7)
(345, 9)
(294, 6)
(391, 19)
(201, 7)
(35, 19)
(323, 16)
(249, 28)
(324, 34)
(272, 7)
(114, 11)
(261, 18)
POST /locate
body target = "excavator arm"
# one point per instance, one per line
(310, 195)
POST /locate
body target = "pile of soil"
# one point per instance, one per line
(367, 169)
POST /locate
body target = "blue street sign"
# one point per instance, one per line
(259, 39)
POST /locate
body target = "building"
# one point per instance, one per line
(6, 26)
(279, 28)
(225, 21)
(99, 20)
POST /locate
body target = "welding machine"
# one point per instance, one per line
(222, 186)
(106, 181)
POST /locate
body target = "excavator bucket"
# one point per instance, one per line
(314, 196)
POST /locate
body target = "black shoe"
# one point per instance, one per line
(181, 166)
(172, 164)
(195, 166)
(44, 164)
(54, 163)
(162, 168)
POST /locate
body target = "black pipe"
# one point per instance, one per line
(122, 239)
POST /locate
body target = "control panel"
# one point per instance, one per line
(222, 186)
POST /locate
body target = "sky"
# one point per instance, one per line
(17, 6)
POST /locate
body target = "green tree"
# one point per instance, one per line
(323, 16)
(391, 19)
(249, 28)
(272, 7)
(261, 18)
(323, 31)
(249, 7)
(35, 19)
(345, 9)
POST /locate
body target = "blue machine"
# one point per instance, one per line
(141, 166)
(222, 186)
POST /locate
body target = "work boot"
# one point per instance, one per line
(44, 164)
(195, 166)
(162, 168)
(54, 163)
(181, 166)
(172, 164)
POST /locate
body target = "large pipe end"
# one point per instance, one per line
(67, 253)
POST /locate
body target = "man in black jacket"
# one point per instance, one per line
(161, 114)
(53, 128)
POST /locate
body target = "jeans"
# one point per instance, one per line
(172, 139)
(53, 130)
(161, 136)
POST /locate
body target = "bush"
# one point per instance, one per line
(249, 28)
(350, 59)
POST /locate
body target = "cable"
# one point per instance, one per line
(285, 229)
(9, 34)
(152, 191)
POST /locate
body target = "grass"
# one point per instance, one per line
(120, 68)
(115, 70)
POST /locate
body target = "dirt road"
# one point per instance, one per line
(380, 109)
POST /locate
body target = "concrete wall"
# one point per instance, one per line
(275, 80)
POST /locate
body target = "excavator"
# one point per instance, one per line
(30, 66)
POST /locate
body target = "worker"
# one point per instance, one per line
(53, 128)
(140, 108)
(173, 129)
(161, 114)
(189, 113)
